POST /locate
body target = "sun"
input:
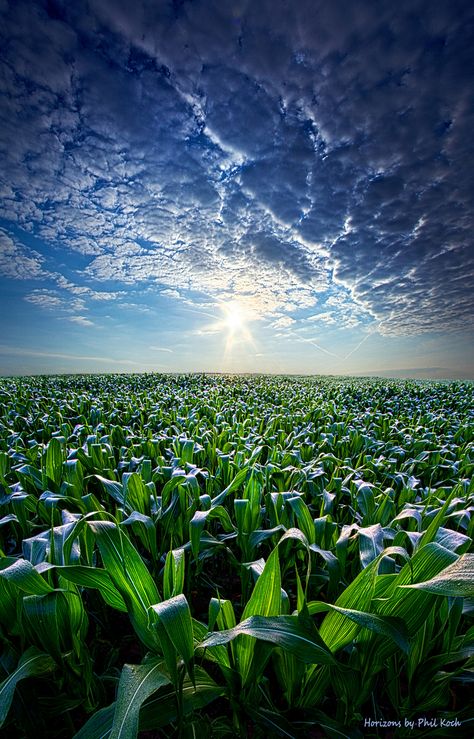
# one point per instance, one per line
(234, 323)
(234, 317)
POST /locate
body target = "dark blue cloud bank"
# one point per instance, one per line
(312, 158)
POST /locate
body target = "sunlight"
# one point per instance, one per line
(235, 324)
(234, 319)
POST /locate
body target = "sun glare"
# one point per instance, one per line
(234, 319)
(234, 322)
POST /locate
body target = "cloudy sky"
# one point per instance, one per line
(275, 186)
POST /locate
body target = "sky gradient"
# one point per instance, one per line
(239, 186)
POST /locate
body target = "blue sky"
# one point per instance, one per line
(236, 186)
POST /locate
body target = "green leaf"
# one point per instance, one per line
(337, 630)
(99, 725)
(161, 709)
(8, 606)
(136, 496)
(54, 461)
(456, 580)
(57, 621)
(222, 611)
(286, 632)
(430, 534)
(97, 578)
(411, 605)
(266, 596)
(130, 576)
(74, 475)
(305, 522)
(175, 616)
(389, 627)
(197, 522)
(32, 663)
(453, 540)
(113, 488)
(173, 574)
(137, 683)
(264, 601)
(260, 535)
(236, 482)
(30, 478)
(370, 543)
(144, 528)
(24, 576)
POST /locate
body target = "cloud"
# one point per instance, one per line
(170, 293)
(45, 300)
(326, 317)
(84, 290)
(17, 261)
(53, 300)
(81, 320)
(199, 149)
(283, 322)
(63, 308)
(161, 349)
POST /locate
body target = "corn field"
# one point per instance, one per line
(235, 556)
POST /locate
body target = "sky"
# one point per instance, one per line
(237, 186)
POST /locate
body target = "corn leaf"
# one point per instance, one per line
(236, 483)
(337, 630)
(389, 627)
(56, 621)
(113, 488)
(173, 574)
(96, 578)
(370, 543)
(137, 683)
(160, 709)
(286, 632)
(21, 573)
(456, 580)
(175, 616)
(99, 725)
(130, 576)
(32, 663)
(54, 461)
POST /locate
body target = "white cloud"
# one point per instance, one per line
(283, 322)
(170, 293)
(81, 320)
(17, 261)
(326, 317)
(52, 300)
(45, 300)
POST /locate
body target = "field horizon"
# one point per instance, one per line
(405, 374)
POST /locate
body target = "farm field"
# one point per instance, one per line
(236, 556)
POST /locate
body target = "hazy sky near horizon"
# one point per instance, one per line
(267, 186)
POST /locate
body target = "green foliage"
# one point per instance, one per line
(233, 556)
(31, 664)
